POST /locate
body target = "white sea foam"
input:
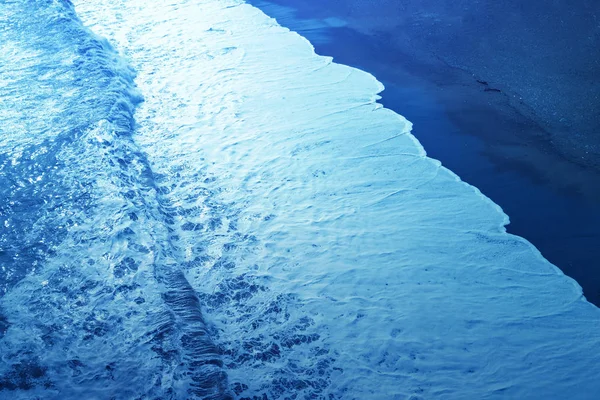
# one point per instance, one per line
(332, 255)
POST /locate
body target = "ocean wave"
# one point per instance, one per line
(265, 229)
(94, 304)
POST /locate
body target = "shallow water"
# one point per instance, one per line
(257, 227)
(552, 201)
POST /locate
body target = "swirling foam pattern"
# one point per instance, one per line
(257, 228)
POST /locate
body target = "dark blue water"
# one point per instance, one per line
(474, 131)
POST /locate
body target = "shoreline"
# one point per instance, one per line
(479, 135)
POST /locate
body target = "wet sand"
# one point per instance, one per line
(480, 128)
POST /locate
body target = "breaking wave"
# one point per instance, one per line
(95, 302)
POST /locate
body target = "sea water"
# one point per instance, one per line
(195, 204)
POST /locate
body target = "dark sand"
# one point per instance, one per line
(505, 97)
